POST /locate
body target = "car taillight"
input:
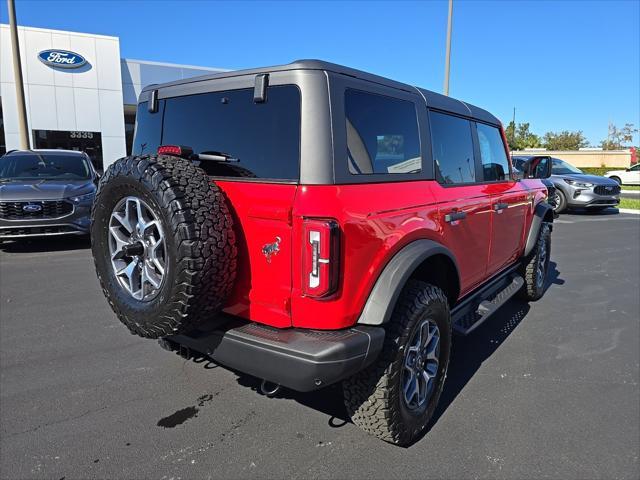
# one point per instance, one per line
(320, 257)
(175, 150)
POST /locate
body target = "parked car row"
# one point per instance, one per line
(50, 192)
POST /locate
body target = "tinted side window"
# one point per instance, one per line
(382, 134)
(452, 148)
(148, 129)
(265, 137)
(495, 165)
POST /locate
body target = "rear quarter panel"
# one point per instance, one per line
(376, 220)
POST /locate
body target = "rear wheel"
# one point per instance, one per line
(163, 244)
(394, 398)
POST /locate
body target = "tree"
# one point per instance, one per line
(619, 137)
(564, 140)
(519, 137)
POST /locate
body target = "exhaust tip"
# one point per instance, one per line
(269, 389)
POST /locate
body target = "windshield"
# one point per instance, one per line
(560, 167)
(43, 166)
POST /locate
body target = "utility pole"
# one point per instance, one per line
(513, 133)
(447, 59)
(17, 75)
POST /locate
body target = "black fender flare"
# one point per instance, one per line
(542, 213)
(385, 292)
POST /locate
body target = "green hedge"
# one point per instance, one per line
(599, 170)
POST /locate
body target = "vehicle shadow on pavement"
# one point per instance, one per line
(468, 355)
(45, 244)
(588, 212)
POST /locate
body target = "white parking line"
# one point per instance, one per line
(607, 218)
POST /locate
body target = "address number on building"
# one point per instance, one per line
(80, 134)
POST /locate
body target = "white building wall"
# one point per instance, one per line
(83, 99)
(137, 74)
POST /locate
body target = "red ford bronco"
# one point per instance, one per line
(311, 224)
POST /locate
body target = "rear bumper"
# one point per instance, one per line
(300, 359)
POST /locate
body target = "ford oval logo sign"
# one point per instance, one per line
(32, 207)
(61, 58)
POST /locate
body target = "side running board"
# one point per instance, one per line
(472, 312)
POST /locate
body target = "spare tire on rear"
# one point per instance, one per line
(163, 244)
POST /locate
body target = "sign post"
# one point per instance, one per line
(17, 74)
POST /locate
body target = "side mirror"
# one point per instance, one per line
(537, 167)
(627, 169)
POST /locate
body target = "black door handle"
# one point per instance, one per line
(500, 206)
(453, 216)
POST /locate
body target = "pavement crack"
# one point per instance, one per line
(70, 419)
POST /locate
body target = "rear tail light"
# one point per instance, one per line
(320, 257)
(175, 150)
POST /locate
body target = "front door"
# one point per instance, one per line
(510, 200)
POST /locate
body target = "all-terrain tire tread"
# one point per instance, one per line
(202, 228)
(370, 395)
(531, 291)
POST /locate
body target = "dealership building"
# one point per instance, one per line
(80, 94)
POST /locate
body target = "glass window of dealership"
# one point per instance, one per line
(87, 105)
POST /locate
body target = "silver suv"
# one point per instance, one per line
(576, 189)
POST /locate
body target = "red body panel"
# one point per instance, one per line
(262, 215)
(376, 221)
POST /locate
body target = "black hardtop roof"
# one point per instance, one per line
(433, 99)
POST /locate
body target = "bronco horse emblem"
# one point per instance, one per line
(270, 249)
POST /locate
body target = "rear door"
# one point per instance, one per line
(510, 200)
(464, 208)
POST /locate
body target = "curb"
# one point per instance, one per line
(631, 192)
(629, 210)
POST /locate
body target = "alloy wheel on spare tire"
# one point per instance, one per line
(163, 244)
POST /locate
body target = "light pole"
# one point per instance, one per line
(447, 59)
(17, 75)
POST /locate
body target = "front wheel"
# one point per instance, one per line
(395, 397)
(616, 179)
(559, 201)
(535, 268)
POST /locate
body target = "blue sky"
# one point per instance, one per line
(563, 64)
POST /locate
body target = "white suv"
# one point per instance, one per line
(630, 176)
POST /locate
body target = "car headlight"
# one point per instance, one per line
(86, 198)
(575, 183)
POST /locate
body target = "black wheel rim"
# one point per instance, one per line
(420, 367)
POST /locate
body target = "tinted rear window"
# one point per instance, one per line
(148, 129)
(265, 137)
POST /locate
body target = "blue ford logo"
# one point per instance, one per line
(32, 207)
(61, 58)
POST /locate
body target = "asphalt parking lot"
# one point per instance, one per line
(542, 390)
